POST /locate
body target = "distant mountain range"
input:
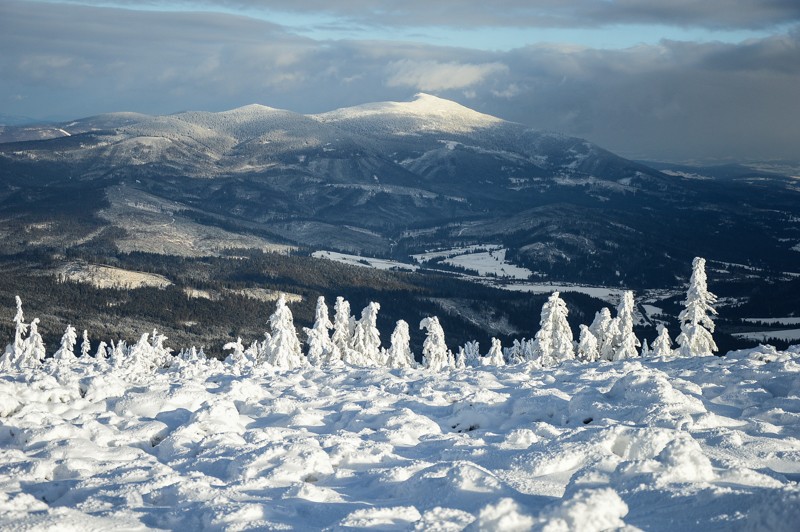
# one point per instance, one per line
(396, 178)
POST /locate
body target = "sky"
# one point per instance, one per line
(707, 81)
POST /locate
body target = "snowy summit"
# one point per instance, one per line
(426, 113)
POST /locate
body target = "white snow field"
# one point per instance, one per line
(701, 443)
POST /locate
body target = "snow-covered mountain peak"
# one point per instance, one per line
(424, 113)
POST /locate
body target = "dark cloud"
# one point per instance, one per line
(674, 100)
(714, 14)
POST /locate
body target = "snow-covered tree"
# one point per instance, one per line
(139, 358)
(236, 356)
(283, 348)
(399, 353)
(33, 348)
(472, 354)
(321, 349)
(86, 346)
(495, 355)
(435, 355)
(625, 341)
(162, 355)
(367, 338)
(587, 346)
(253, 352)
(603, 328)
(66, 352)
(697, 328)
(461, 358)
(118, 354)
(554, 339)
(101, 355)
(191, 356)
(343, 329)
(662, 345)
(20, 329)
(13, 352)
(645, 352)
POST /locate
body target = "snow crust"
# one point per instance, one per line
(680, 444)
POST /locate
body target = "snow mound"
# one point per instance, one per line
(587, 510)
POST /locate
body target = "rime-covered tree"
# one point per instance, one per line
(101, 355)
(472, 354)
(33, 349)
(662, 345)
(254, 350)
(162, 355)
(283, 349)
(461, 359)
(344, 325)
(367, 338)
(697, 328)
(117, 356)
(495, 355)
(604, 330)
(66, 352)
(587, 346)
(20, 330)
(435, 355)
(13, 353)
(321, 349)
(191, 356)
(139, 358)
(399, 353)
(554, 339)
(236, 357)
(645, 352)
(86, 346)
(625, 341)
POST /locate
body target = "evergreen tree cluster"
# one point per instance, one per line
(357, 342)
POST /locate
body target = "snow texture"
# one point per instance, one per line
(606, 445)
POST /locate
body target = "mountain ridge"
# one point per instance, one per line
(396, 178)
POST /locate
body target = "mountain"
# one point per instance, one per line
(393, 179)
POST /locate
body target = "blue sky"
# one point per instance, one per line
(674, 80)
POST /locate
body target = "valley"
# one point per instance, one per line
(423, 206)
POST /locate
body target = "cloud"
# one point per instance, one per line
(673, 100)
(436, 76)
(713, 14)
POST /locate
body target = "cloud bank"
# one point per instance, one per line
(712, 14)
(671, 101)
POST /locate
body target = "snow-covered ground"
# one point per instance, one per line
(789, 320)
(684, 444)
(110, 277)
(366, 262)
(489, 263)
(485, 260)
(610, 295)
(763, 336)
(453, 252)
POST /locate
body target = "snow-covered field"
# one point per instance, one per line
(484, 260)
(610, 295)
(489, 263)
(789, 320)
(708, 443)
(366, 262)
(110, 277)
(763, 336)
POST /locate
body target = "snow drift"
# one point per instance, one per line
(692, 443)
